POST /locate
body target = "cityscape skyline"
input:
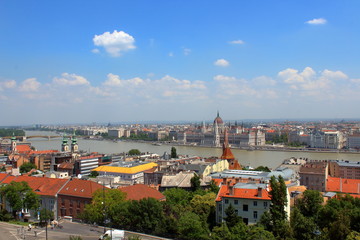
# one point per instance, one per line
(66, 62)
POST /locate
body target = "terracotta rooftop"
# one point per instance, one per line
(247, 193)
(80, 188)
(343, 185)
(140, 191)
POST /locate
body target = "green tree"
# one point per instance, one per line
(46, 215)
(353, 236)
(221, 232)
(134, 152)
(262, 169)
(177, 196)
(231, 218)
(191, 227)
(303, 227)
(195, 182)
(26, 167)
(173, 152)
(278, 193)
(311, 203)
(213, 187)
(103, 206)
(93, 174)
(19, 195)
(146, 215)
(259, 233)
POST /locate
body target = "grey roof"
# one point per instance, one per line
(286, 173)
(347, 163)
(198, 168)
(250, 185)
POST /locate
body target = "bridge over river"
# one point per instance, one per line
(48, 137)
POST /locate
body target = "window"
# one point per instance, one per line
(226, 201)
(255, 203)
(78, 203)
(265, 204)
(236, 202)
(71, 203)
(236, 211)
(255, 215)
(245, 207)
(220, 207)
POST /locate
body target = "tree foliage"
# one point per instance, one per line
(195, 182)
(311, 203)
(134, 152)
(7, 132)
(26, 167)
(19, 195)
(173, 152)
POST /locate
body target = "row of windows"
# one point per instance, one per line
(255, 203)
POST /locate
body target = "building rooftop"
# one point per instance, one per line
(128, 170)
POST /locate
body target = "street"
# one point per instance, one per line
(86, 232)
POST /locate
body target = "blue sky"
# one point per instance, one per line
(112, 61)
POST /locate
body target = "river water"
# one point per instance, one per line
(255, 158)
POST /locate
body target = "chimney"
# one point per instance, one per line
(231, 189)
(224, 181)
(259, 194)
(237, 180)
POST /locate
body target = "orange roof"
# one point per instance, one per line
(140, 191)
(40, 185)
(43, 152)
(343, 185)
(270, 131)
(80, 188)
(242, 193)
(23, 148)
(227, 154)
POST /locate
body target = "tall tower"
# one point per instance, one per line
(74, 144)
(64, 145)
(216, 135)
(13, 143)
(203, 127)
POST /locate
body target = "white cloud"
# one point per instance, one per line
(317, 21)
(7, 84)
(115, 43)
(70, 80)
(171, 54)
(114, 80)
(238, 42)
(29, 85)
(187, 51)
(221, 63)
(321, 85)
(95, 50)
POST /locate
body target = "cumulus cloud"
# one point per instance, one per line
(317, 21)
(238, 42)
(70, 80)
(115, 43)
(309, 83)
(221, 63)
(29, 85)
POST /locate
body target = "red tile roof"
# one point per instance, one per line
(140, 191)
(40, 185)
(343, 185)
(242, 193)
(80, 188)
(23, 148)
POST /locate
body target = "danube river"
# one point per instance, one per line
(255, 158)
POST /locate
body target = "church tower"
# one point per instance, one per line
(64, 145)
(74, 144)
(13, 143)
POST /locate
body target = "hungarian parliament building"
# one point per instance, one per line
(214, 135)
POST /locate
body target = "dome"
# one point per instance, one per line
(218, 119)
